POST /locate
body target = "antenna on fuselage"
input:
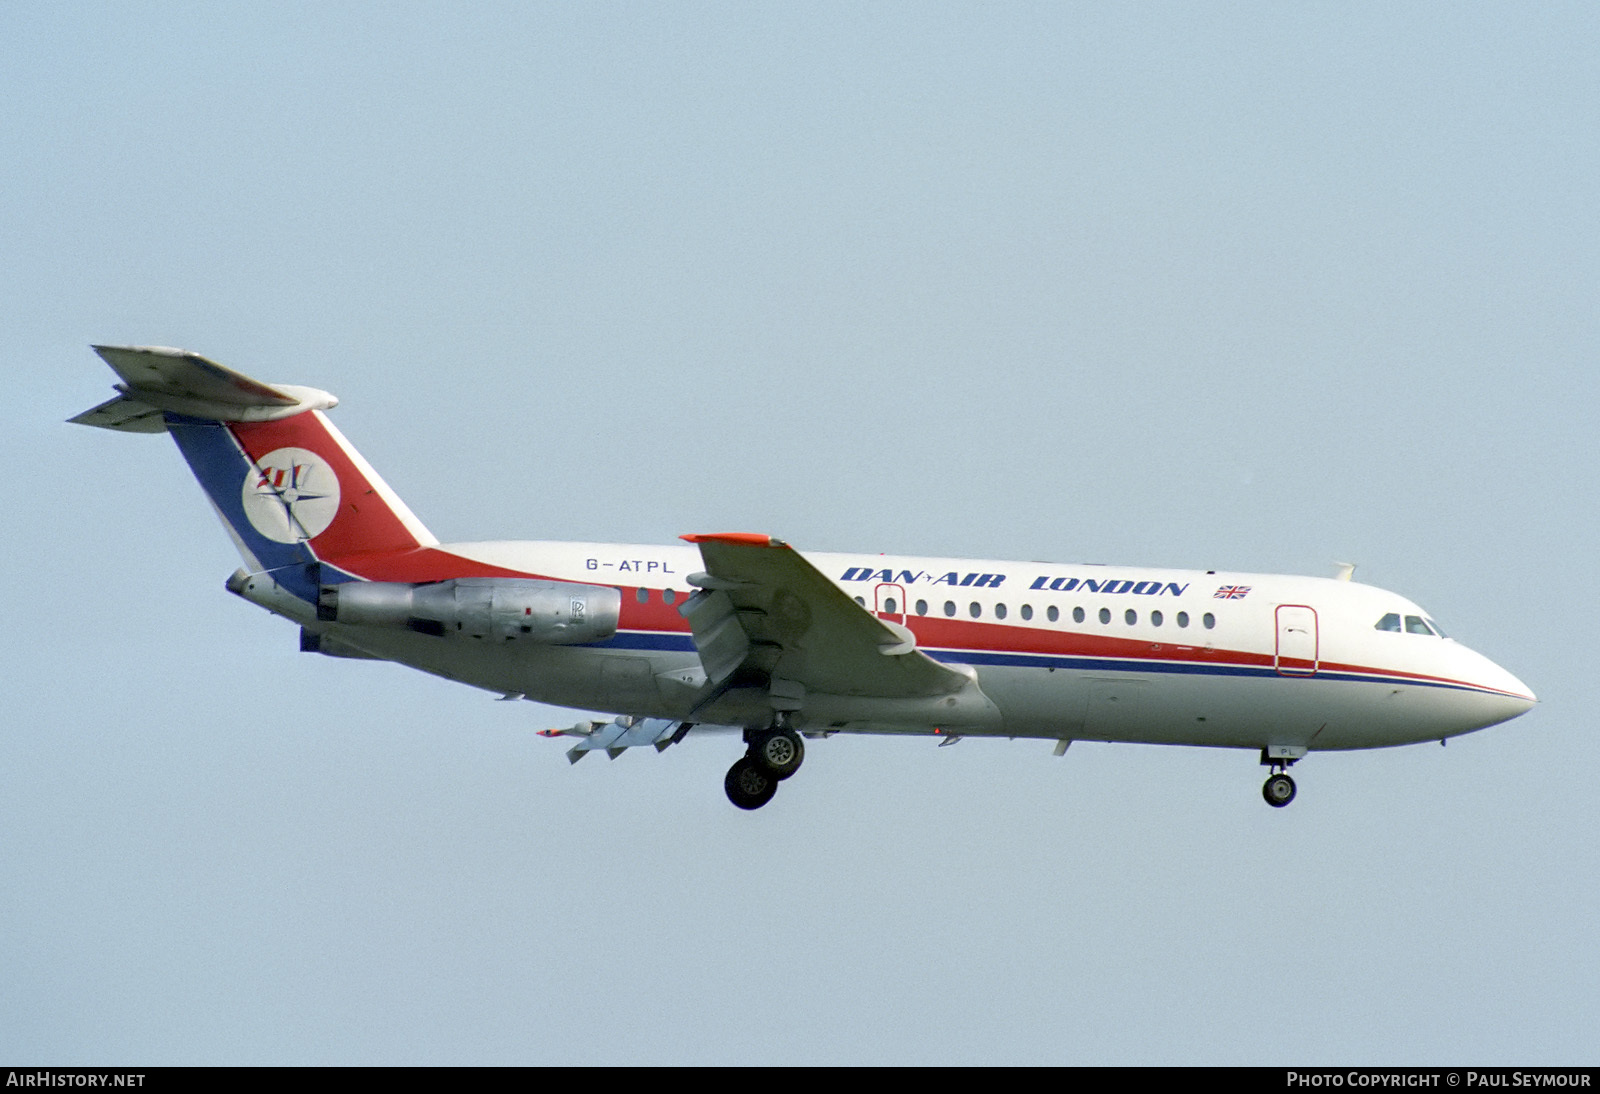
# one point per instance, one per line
(1344, 571)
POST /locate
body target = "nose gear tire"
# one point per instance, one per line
(1279, 791)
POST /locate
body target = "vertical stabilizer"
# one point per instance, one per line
(296, 497)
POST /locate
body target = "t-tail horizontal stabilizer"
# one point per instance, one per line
(157, 380)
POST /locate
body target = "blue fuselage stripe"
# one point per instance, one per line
(669, 641)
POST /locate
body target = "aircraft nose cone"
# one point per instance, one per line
(1504, 696)
(1514, 688)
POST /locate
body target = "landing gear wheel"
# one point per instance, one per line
(749, 784)
(1278, 790)
(780, 751)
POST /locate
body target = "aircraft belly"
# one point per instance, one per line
(1037, 702)
(1146, 708)
(1379, 715)
(1231, 711)
(641, 683)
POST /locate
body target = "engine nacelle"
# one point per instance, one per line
(556, 612)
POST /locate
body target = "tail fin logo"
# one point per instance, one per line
(291, 495)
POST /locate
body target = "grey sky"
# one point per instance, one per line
(1253, 286)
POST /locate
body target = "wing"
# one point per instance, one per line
(767, 618)
(777, 638)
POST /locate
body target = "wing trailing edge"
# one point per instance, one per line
(769, 625)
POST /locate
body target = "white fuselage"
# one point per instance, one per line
(1063, 651)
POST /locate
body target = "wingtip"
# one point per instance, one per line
(748, 539)
(102, 349)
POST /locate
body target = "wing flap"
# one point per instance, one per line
(619, 735)
(796, 626)
(723, 643)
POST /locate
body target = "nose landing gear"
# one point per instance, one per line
(1279, 789)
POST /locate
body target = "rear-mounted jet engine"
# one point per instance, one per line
(555, 612)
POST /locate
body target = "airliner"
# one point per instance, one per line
(742, 634)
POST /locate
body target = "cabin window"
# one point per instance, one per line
(976, 610)
(642, 595)
(949, 607)
(999, 611)
(1390, 622)
(922, 607)
(889, 606)
(1053, 614)
(1027, 611)
(862, 601)
(1077, 615)
(1155, 619)
(1208, 620)
(1130, 617)
(1183, 619)
(1105, 615)
(668, 595)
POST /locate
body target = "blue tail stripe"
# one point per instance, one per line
(222, 467)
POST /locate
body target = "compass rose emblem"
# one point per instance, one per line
(290, 495)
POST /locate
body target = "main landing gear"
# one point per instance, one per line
(1279, 788)
(773, 755)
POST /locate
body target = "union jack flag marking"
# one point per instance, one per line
(1231, 592)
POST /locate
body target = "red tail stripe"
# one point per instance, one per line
(365, 524)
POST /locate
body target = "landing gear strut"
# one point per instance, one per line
(773, 755)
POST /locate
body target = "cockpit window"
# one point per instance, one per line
(1438, 630)
(1414, 624)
